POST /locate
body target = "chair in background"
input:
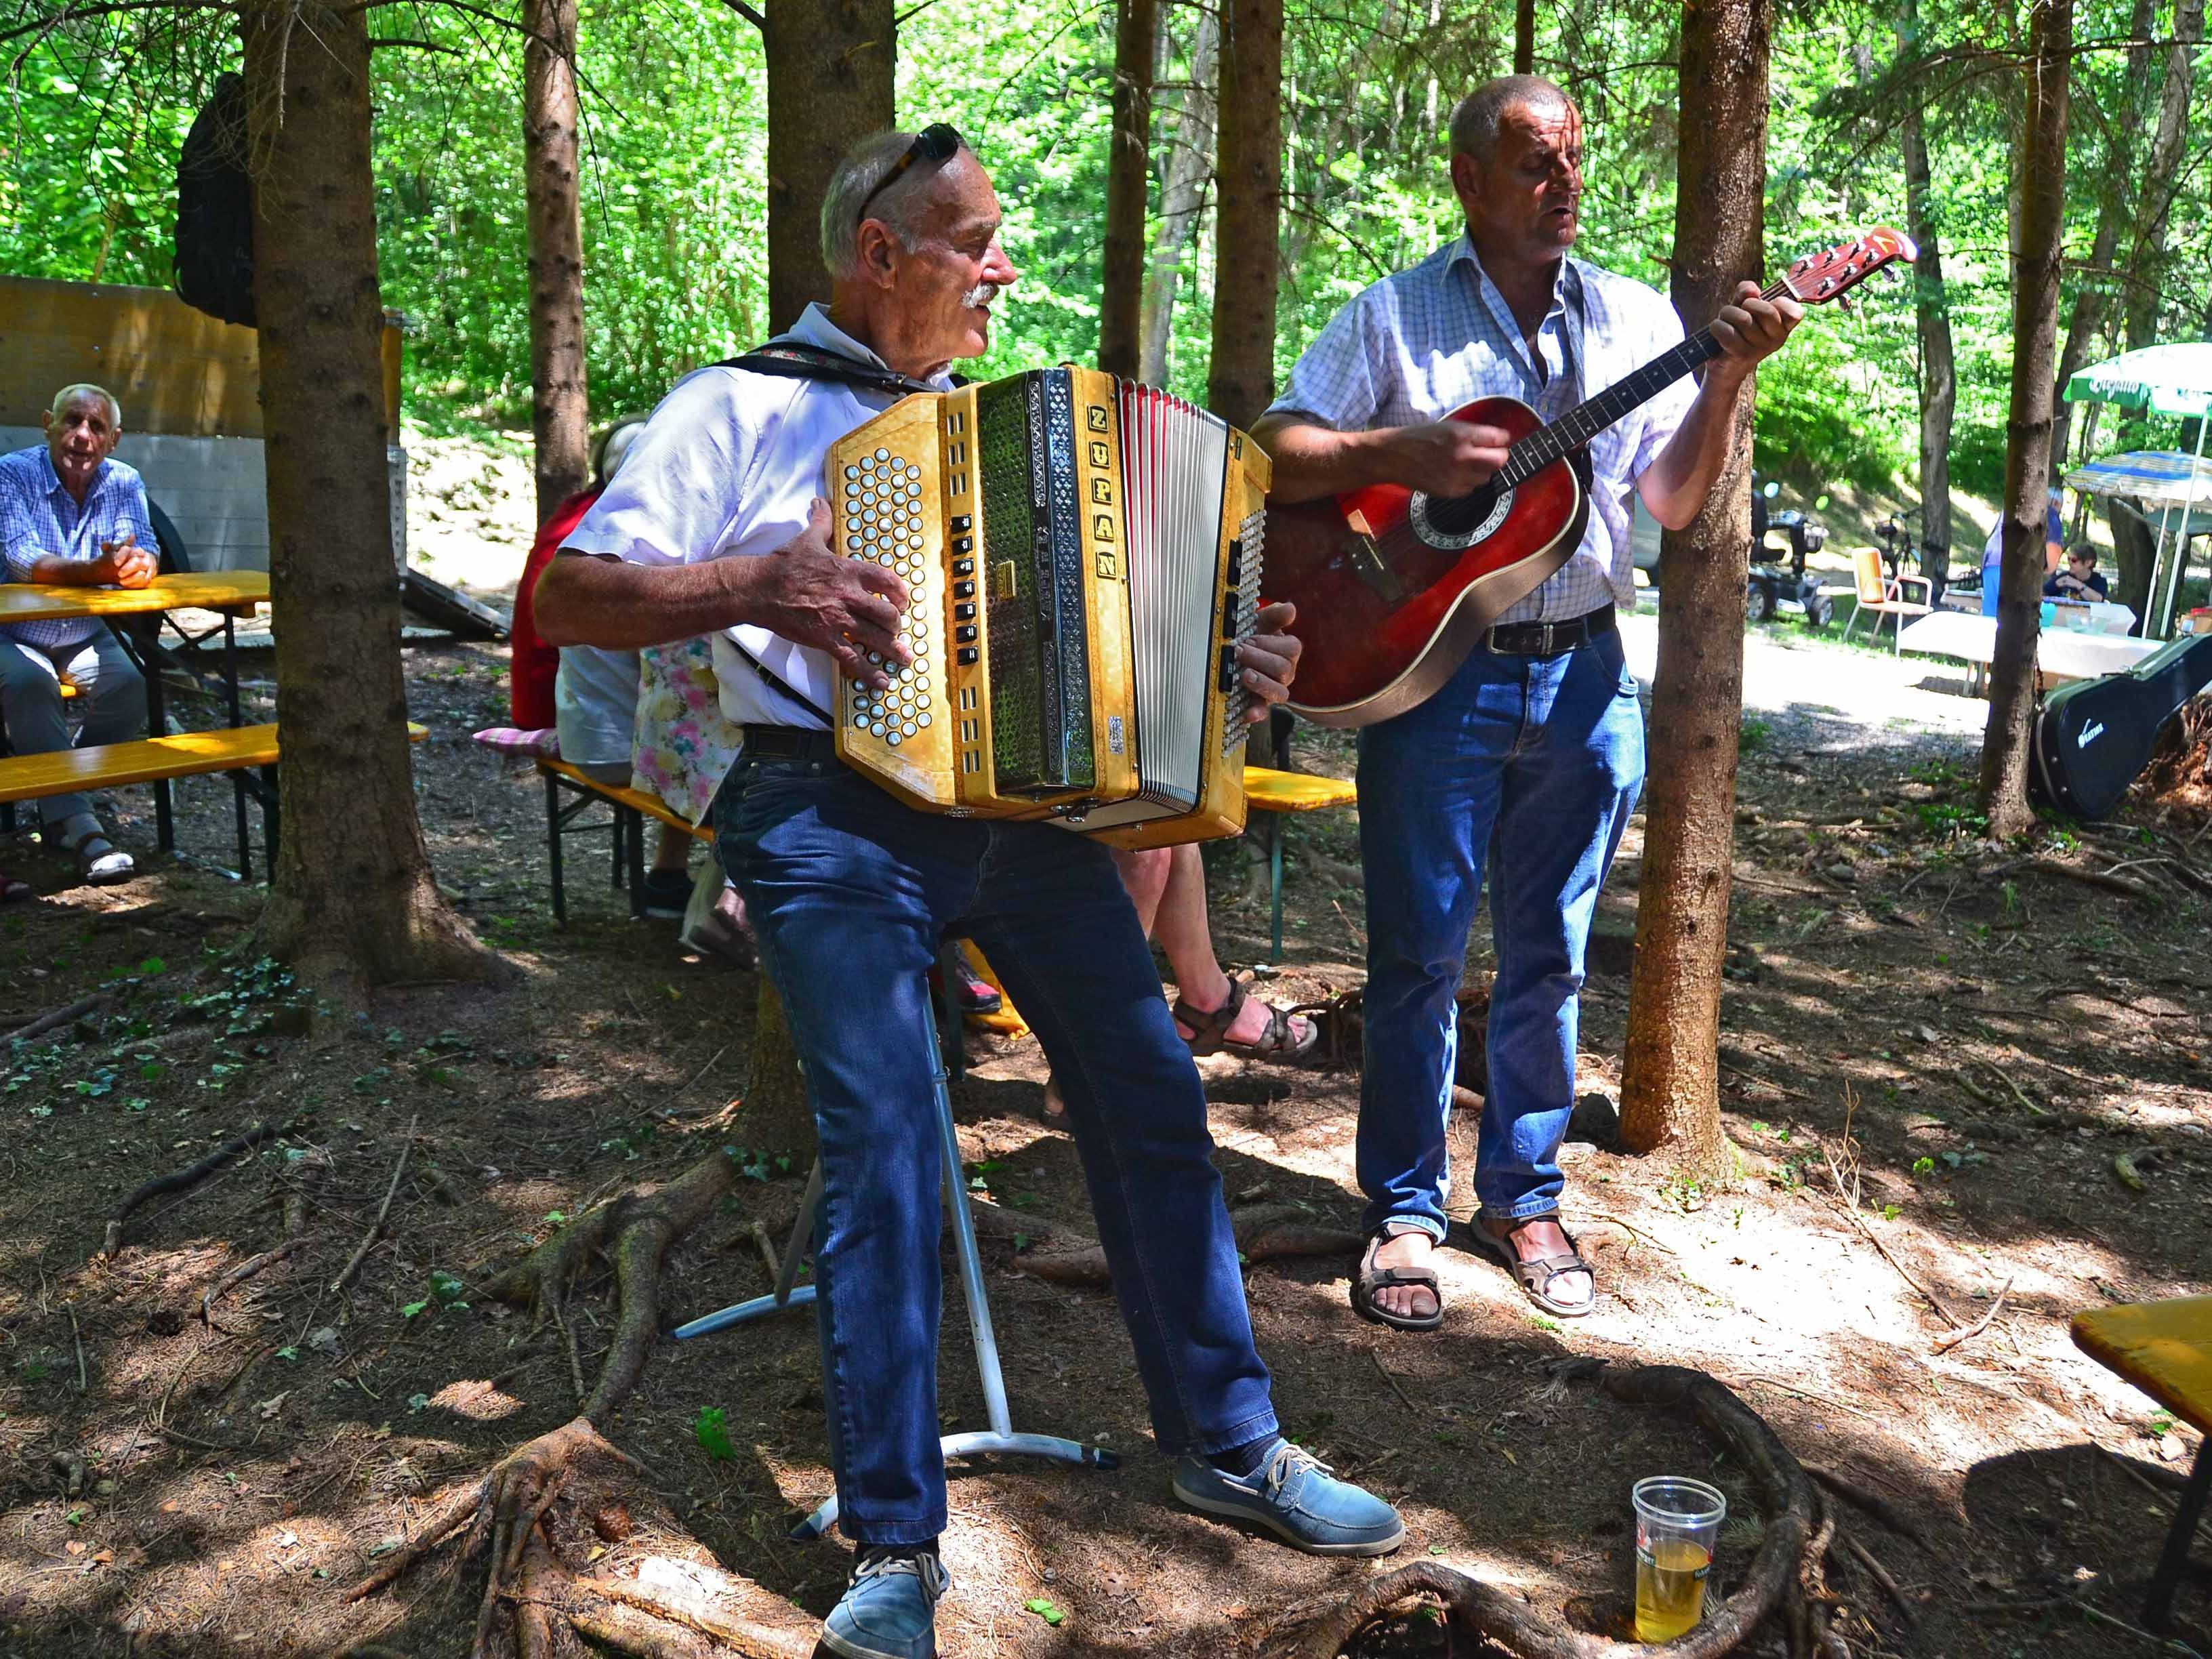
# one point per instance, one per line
(1881, 596)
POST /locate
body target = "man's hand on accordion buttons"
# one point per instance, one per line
(1270, 659)
(848, 607)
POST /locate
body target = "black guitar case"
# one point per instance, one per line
(2092, 738)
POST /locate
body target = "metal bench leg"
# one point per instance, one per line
(553, 847)
(629, 831)
(1275, 885)
(2158, 1606)
(1001, 1437)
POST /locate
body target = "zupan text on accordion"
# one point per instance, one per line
(1084, 558)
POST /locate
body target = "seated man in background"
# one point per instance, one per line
(69, 513)
(2078, 580)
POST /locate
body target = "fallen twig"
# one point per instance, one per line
(295, 1227)
(1396, 1386)
(1869, 1234)
(383, 1213)
(76, 1336)
(1864, 1557)
(767, 1248)
(1951, 1340)
(181, 1180)
(54, 1018)
(2067, 1604)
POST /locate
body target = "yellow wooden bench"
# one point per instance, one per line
(2164, 1348)
(631, 809)
(1274, 792)
(241, 750)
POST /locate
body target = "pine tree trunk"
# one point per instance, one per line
(1939, 378)
(560, 414)
(1524, 37)
(353, 903)
(776, 1116)
(1670, 1076)
(2027, 450)
(830, 85)
(1248, 226)
(1128, 184)
(1187, 171)
(2085, 324)
(2161, 178)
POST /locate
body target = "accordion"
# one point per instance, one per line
(1083, 555)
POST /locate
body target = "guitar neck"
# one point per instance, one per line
(1587, 419)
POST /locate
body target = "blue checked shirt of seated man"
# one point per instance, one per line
(39, 519)
(1422, 343)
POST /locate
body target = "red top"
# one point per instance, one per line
(533, 663)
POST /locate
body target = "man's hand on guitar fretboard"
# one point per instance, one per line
(1751, 328)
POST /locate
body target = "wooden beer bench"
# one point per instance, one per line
(249, 753)
(632, 807)
(2164, 1348)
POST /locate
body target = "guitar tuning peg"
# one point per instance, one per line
(1843, 304)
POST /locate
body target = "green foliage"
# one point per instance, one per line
(713, 1434)
(675, 184)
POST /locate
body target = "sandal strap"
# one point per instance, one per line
(1207, 1027)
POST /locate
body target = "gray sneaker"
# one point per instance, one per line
(1297, 1496)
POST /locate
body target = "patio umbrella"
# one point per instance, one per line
(2162, 379)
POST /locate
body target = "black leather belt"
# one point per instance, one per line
(1551, 639)
(791, 743)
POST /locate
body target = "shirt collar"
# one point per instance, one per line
(1463, 252)
(53, 477)
(814, 328)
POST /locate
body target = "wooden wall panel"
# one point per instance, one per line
(178, 371)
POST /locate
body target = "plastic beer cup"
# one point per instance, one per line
(1678, 1521)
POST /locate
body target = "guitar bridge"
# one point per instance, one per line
(1367, 560)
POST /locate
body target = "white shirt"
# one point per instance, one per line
(1418, 344)
(727, 467)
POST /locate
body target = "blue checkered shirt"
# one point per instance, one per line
(38, 517)
(1418, 344)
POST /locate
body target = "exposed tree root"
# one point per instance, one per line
(569, 1499)
(181, 1181)
(1785, 1576)
(1062, 1256)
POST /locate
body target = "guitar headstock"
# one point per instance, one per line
(1819, 277)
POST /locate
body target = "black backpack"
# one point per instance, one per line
(215, 209)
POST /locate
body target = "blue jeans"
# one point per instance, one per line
(850, 892)
(1532, 765)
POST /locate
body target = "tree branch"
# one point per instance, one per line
(752, 17)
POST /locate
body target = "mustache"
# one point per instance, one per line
(982, 294)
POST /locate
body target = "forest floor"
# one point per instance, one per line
(1942, 1057)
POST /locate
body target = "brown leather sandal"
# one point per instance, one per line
(1209, 1031)
(1370, 1279)
(1534, 1275)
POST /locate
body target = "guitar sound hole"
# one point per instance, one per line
(1457, 521)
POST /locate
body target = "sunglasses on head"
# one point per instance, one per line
(936, 143)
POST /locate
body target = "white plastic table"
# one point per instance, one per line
(2060, 654)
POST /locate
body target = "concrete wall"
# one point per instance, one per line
(215, 490)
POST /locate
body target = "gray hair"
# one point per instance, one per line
(86, 389)
(866, 166)
(1475, 122)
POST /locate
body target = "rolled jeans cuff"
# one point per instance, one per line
(1528, 1209)
(889, 1533)
(1258, 1427)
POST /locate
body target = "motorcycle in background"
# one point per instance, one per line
(1778, 580)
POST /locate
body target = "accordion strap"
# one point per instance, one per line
(795, 360)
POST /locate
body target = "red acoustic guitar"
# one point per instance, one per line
(1394, 587)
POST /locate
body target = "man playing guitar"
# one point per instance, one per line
(1529, 758)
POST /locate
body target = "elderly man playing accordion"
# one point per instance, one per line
(714, 526)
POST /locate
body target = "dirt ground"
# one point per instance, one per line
(2002, 1065)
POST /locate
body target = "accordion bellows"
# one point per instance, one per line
(1083, 553)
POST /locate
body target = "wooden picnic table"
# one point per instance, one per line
(231, 594)
(235, 592)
